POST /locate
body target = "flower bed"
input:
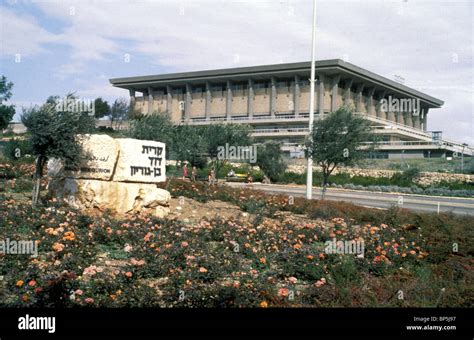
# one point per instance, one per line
(271, 260)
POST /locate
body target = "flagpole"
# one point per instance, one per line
(309, 168)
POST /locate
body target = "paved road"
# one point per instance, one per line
(376, 199)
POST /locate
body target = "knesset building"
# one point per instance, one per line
(274, 101)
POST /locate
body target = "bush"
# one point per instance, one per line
(406, 177)
(17, 149)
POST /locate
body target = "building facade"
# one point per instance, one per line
(274, 101)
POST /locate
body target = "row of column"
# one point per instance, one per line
(374, 109)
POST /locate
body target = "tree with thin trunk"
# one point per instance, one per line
(337, 140)
(218, 135)
(6, 111)
(119, 112)
(55, 133)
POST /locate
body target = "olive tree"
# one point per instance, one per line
(6, 111)
(336, 140)
(269, 159)
(54, 133)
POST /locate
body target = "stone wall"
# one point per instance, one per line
(425, 179)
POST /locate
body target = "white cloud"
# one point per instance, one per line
(22, 34)
(414, 39)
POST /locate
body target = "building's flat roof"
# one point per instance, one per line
(327, 67)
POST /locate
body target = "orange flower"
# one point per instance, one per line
(58, 247)
(147, 237)
(69, 236)
(128, 274)
(412, 252)
(263, 260)
(202, 270)
(264, 304)
(321, 256)
(297, 246)
(404, 255)
(113, 296)
(310, 257)
(184, 244)
(32, 283)
(19, 283)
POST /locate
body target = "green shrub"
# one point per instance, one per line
(17, 149)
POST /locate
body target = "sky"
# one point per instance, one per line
(53, 47)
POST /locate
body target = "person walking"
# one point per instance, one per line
(185, 171)
(193, 174)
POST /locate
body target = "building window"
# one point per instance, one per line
(303, 82)
(237, 87)
(217, 88)
(260, 85)
(197, 89)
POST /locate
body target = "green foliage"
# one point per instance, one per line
(270, 161)
(55, 134)
(406, 177)
(119, 111)
(157, 127)
(16, 149)
(218, 135)
(102, 108)
(336, 139)
(189, 144)
(471, 166)
(6, 111)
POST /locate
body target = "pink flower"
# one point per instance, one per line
(128, 248)
(89, 300)
(136, 262)
(283, 292)
(184, 244)
(320, 282)
(202, 270)
(78, 292)
(293, 279)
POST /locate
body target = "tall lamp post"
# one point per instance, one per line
(309, 169)
(462, 157)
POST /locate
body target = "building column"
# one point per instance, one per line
(425, 119)
(370, 102)
(133, 100)
(335, 87)
(321, 95)
(228, 106)
(296, 96)
(187, 103)
(208, 101)
(408, 119)
(416, 121)
(250, 98)
(360, 88)
(150, 100)
(379, 112)
(273, 96)
(169, 100)
(399, 117)
(391, 116)
(347, 92)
